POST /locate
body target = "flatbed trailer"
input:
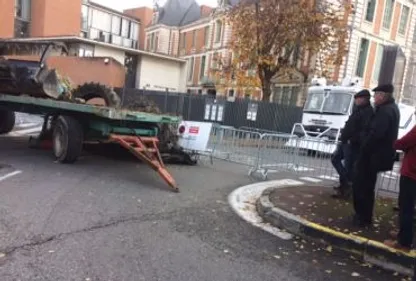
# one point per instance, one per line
(67, 126)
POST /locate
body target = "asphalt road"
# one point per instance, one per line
(110, 220)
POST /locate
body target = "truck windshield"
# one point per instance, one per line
(333, 103)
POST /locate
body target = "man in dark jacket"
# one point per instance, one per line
(376, 153)
(351, 138)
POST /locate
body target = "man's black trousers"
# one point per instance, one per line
(364, 185)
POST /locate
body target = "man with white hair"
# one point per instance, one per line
(377, 153)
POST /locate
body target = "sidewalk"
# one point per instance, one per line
(311, 212)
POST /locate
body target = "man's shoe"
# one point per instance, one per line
(359, 222)
(396, 245)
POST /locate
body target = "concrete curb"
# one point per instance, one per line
(367, 250)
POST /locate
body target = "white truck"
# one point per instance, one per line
(326, 110)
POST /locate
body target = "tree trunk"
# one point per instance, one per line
(266, 89)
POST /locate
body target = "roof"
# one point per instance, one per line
(76, 39)
(179, 12)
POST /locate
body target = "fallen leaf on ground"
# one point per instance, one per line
(329, 249)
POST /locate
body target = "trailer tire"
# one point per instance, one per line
(68, 138)
(89, 91)
(7, 121)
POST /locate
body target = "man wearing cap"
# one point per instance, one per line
(376, 153)
(351, 138)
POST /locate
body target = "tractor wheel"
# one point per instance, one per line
(68, 138)
(94, 93)
(7, 120)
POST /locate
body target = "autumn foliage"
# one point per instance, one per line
(272, 36)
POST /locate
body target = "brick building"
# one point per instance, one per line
(376, 24)
(90, 30)
(199, 33)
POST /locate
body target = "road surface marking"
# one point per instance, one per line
(243, 201)
(26, 131)
(328, 178)
(12, 174)
(310, 179)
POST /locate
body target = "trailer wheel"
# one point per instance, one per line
(96, 93)
(68, 137)
(7, 121)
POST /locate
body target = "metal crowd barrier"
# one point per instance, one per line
(265, 153)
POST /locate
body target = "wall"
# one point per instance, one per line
(55, 17)
(145, 15)
(83, 70)
(160, 74)
(118, 55)
(7, 18)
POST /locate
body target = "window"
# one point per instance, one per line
(134, 31)
(193, 38)
(388, 14)
(156, 44)
(191, 62)
(84, 17)
(369, 14)
(148, 40)
(206, 35)
(101, 20)
(404, 19)
(125, 28)
(23, 9)
(414, 36)
(377, 65)
(116, 25)
(362, 58)
(183, 40)
(202, 71)
(152, 42)
(218, 32)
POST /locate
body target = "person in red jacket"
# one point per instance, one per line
(407, 194)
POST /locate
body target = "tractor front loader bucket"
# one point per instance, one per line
(22, 77)
(30, 77)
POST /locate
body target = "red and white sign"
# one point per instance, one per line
(194, 130)
(195, 136)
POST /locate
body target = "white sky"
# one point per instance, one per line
(125, 4)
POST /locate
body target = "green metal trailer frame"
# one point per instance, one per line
(68, 125)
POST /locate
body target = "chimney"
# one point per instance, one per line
(206, 10)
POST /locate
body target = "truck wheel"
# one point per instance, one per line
(96, 92)
(7, 120)
(68, 138)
